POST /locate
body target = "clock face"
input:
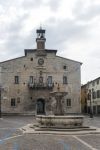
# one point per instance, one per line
(40, 61)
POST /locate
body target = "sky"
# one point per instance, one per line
(72, 27)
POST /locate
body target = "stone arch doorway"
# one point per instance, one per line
(40, 106)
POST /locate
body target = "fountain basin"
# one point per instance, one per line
(60, 121)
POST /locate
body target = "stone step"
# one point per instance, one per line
(65, 129)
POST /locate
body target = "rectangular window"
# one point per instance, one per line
(94, 95)
(13, 102)
(97, 81)
(88, 96)
(68, 102)
(98, 109)
(98, 93)
(49, 79)
(31, 79)
(16, 79)
(64, 80)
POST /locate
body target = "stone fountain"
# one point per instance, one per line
(59, 119)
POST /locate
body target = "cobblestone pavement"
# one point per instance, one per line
(11, 138)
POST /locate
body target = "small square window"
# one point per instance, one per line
(64, 67)
(31, 59)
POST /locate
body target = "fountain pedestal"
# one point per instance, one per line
(60, 121)
(59, 110)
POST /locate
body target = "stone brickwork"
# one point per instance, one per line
(47, 71)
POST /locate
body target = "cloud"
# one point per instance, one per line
(13, 38)
(54, 5)
(64, 31)
(31, 4)
(72, 27)
(86, 11)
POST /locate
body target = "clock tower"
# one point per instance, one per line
(40, 40)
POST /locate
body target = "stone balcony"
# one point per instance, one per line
(36, 86)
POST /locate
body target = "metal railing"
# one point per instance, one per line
(40, 85)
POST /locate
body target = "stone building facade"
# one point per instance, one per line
(91, 96)
(27, 82)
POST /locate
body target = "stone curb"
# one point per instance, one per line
(29, 130)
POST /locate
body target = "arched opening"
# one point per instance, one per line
(40, 106)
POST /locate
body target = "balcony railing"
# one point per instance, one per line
(40, 85)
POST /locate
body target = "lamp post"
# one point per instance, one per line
(91, 111)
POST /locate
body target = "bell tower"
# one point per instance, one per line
(40, 40)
